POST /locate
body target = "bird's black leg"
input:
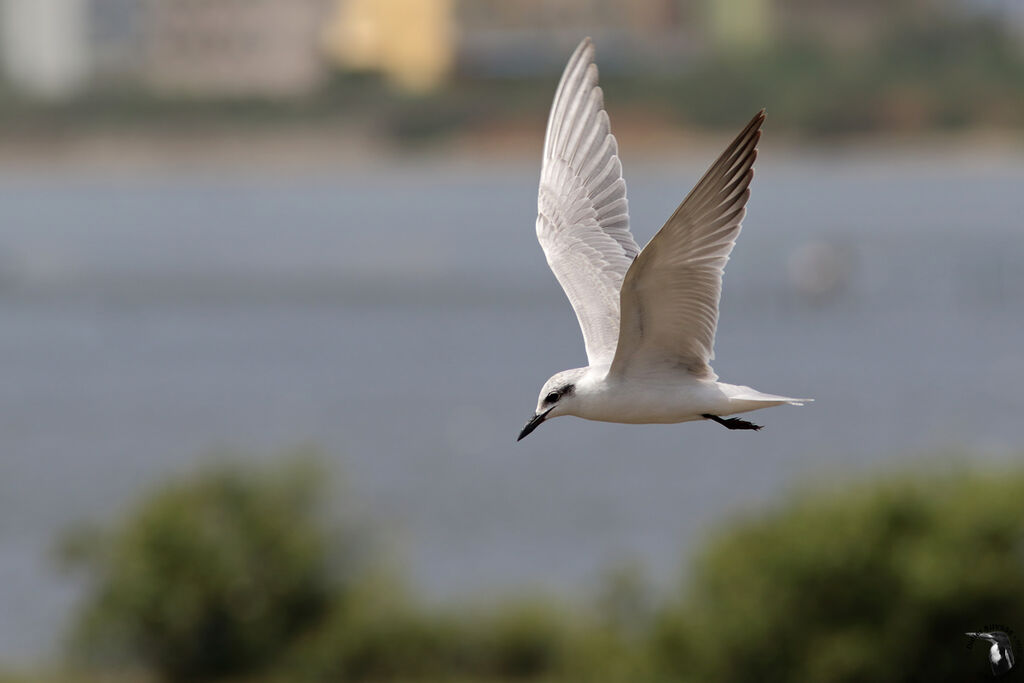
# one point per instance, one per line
(732, 422)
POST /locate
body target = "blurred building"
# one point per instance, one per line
(116, 40)
(234, 47)
(44, 46)
(535, 36)
(417, 44)
(1009, 12)
(267, 48)
(412, 42)
(851, 24)
(285, 48)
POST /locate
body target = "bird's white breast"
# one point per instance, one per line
(659, 400)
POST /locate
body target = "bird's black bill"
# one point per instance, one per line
(533, 424)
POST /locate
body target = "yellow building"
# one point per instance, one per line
(739, 24)
(411, 42)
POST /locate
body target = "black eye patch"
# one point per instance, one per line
(555, 395)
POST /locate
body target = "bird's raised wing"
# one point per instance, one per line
(670, 294)
(582, 214)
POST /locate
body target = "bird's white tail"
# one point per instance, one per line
(749, 394)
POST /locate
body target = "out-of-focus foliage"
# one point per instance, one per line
(385, 634)
(517, 640)
(216, 574)
(878, 583)
(236, 572)
(917, 75)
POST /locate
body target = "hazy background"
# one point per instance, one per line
(241, 225)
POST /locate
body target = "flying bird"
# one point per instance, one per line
(648, 316)
(1000, 655)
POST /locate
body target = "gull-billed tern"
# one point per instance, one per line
(648, 317)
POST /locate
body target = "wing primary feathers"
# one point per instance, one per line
(670, 295)
(583, 213)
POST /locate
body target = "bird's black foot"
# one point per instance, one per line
(732, 422)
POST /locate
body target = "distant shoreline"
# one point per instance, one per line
(297, 148)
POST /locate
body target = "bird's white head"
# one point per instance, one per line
(557, 397)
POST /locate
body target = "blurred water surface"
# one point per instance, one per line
(403, 319)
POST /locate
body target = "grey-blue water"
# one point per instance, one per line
(403, 319)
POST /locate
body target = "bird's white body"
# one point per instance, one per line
(648, 316)
(665, 398)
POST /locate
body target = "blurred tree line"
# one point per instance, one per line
(248, 571)
(918, 68)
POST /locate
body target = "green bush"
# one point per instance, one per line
(214, 575)
(378, 634)
(236, 572)
(878, 583)
(388, 639)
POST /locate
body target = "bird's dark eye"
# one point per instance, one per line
(552, 397)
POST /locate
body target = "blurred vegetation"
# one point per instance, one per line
(923, 70)
(239, 570)
(214, 575)
(878, 583)
(915, 76)
(242, 571)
